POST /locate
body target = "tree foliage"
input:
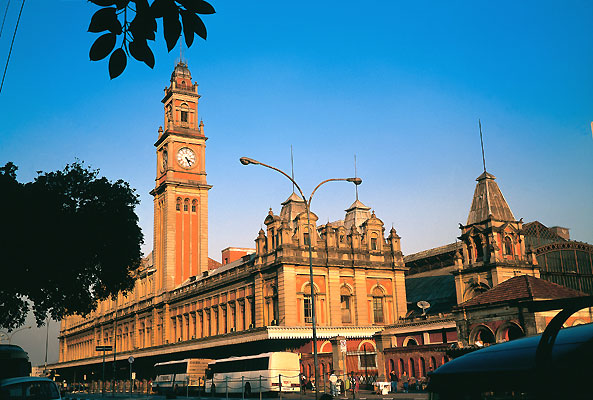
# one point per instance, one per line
(135, 21)
(69, 239)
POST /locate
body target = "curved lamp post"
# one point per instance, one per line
(9, 336)
(356, 181)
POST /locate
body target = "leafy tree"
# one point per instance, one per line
(69, 239)
(136, 22)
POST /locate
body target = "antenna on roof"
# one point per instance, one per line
(292, 167)
(356, 176)
(482, 143)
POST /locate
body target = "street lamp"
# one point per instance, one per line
(356, 181)
(9, 336)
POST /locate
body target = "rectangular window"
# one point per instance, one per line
(345, 305)
(185, 207)
(193, 208)
(373, 243)
(243, 317)
(378, 309)
(306, 239)
(184, 116)
(308, 311)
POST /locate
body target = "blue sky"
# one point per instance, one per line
(400, 84)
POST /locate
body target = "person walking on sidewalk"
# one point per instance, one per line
(394, 380)
(405, 382)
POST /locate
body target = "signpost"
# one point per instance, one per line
(103, 349)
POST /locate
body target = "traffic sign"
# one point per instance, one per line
(130, 359)
(103, 348)
(343, 346)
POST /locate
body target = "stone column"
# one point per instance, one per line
(338, 358)
(382, 342)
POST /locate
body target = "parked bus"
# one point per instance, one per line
(180, 376)
(266, 372)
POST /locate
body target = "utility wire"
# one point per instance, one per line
(4, 18)
(11, 44)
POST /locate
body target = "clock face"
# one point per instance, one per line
(186, 157)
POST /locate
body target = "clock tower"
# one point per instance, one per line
(181, 191)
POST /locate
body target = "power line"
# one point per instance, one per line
(11, 44)
(4, 18)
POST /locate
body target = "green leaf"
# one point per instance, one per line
(197, 6)
(192, 24)
(161, 7)
(121, 4)
(143, 26)
(140, 51)
(172, 28)
(102, 46)
(117, 63)
(105, 19)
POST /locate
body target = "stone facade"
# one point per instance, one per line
(255, 301)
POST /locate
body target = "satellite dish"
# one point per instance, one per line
(424, 305)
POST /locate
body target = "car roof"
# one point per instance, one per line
(21, 379)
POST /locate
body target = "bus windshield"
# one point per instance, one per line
(171, 368)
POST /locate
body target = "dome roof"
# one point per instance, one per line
(181, 71)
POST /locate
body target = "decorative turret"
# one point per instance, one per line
(291, 208)
(356, 215)
(488, 202)
(492, 242)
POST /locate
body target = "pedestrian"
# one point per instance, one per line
(405, 382)
(394, 380)
(333, 379)
(303, 384)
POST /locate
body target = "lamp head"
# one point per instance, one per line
(356, 181)
(247, 161)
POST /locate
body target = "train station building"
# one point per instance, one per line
(187, 305)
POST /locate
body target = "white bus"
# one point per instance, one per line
(266, 372)
(180, 376)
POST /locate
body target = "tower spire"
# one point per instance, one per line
(292, 167)
(356, 176)
(482, 144)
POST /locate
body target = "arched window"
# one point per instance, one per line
(345, 304)
(185, 204)
(508, 246)
(308, 304)
(402, 368)
(178, 205)
(412, 367)
(184, 113)
(433, 363)
(391, 365)
(422, 367)
(378, 305)
(479, 249)
(194, 203)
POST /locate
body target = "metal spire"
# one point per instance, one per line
(292, 167)
(356, 176)
(482, 143)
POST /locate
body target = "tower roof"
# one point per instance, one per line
(488, 201)
(523, 287)
(181, 71)
(292, 207)
(356, 215)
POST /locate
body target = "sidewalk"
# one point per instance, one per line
(361, 395)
